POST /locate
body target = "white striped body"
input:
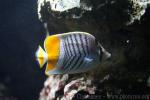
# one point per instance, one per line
(78, 52)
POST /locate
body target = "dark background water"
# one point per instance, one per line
(20, 34)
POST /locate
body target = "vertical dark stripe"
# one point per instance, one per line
(66, 49)
(67, 66)
(68, 46)
(83, 53)
(71, 53)
(75, 53)
(82, 45)
(86, 40)
(86, 48)
(67, 56)
(75, 64)
(73, 45)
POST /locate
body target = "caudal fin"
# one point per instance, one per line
(41, 56)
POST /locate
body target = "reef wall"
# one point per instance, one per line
(122, 28)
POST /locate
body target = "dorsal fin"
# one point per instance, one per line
(46, 29)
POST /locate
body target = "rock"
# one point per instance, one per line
(122, 26)
(61, 6)
(63, 87)
(108, 14)
(53, 84)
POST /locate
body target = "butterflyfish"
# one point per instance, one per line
(72, 52)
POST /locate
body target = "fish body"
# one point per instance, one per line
(72, 52)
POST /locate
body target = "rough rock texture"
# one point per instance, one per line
(122, 26)
(105, 15)
(67, 87)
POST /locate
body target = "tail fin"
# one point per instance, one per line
(41, 56)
